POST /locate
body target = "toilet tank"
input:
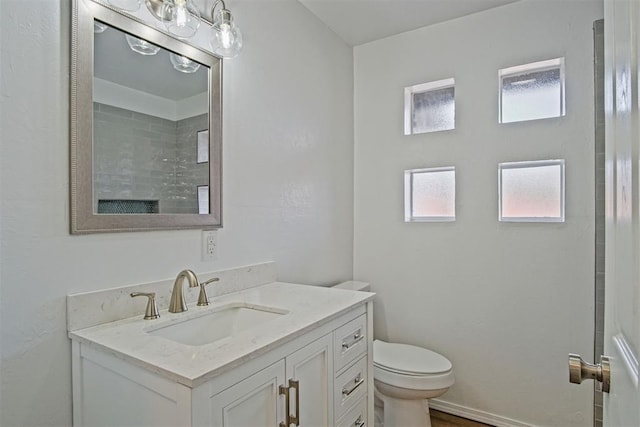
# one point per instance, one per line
(354, 286)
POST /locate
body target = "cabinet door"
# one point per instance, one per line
(312, 367)
(253, 402)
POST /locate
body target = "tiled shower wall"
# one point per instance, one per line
(142, 157)
(598, 43)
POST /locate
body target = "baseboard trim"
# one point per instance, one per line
(475, 414)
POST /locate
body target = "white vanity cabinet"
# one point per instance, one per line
(305, 376)
(324, 379)
(324, 367)
(254, 401)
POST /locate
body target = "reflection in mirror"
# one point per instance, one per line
(145, 127)
(149, 105)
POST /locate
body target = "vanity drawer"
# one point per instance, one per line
(350, 386)
(350, 341)
(356, 416)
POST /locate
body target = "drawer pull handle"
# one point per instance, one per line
(358, 422)
(357, 382)
(357, 337)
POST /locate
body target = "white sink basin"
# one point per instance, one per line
(218, 324)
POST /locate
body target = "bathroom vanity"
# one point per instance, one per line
(277, 354)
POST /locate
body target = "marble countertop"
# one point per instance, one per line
(307, 307)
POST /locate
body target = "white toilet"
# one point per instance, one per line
(405, 376)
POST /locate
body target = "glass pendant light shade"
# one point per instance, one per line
(126, 5)
(183, 64)
(226, 38)
(180, 18)
(143, 47)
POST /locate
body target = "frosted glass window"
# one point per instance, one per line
(429, 107)
(532, 91)
(430, 194)
(532, 191)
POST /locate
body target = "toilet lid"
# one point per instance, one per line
(404, 358)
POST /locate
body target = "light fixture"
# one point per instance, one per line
(126, 5)
(226, 38)
(180, 18)
(140, 46)
(183, 64)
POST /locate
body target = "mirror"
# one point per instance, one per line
(145, 127)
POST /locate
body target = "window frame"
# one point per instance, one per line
(530, 164)
(422, 88)
(540, 66)
(408, 195)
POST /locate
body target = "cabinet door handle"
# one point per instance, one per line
(357, 382)
(295, 384)
(285, 390)
(359, 422)
(357, 337)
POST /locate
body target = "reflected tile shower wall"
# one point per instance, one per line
(189, 174)
(143, 157)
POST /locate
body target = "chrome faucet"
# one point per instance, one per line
(177, 304)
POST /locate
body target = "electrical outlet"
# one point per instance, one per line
(209, 245)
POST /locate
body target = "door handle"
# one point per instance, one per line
(580, 370)
(295, 419)
(284, 390)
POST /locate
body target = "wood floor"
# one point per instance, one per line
(441, 419)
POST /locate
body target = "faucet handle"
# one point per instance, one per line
(152, 309)
(202, 297)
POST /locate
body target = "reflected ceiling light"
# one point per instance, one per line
(180, 18)
(143, 47)
(183, 64)
(226, 38)
(126, 5)
(99, 27)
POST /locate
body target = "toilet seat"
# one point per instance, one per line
(411, 367)
(408, 359)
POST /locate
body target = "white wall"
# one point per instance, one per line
(288, 185)
(505, 302)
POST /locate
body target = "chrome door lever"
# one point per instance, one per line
(580, 370)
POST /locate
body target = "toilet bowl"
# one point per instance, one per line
(405, 376)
